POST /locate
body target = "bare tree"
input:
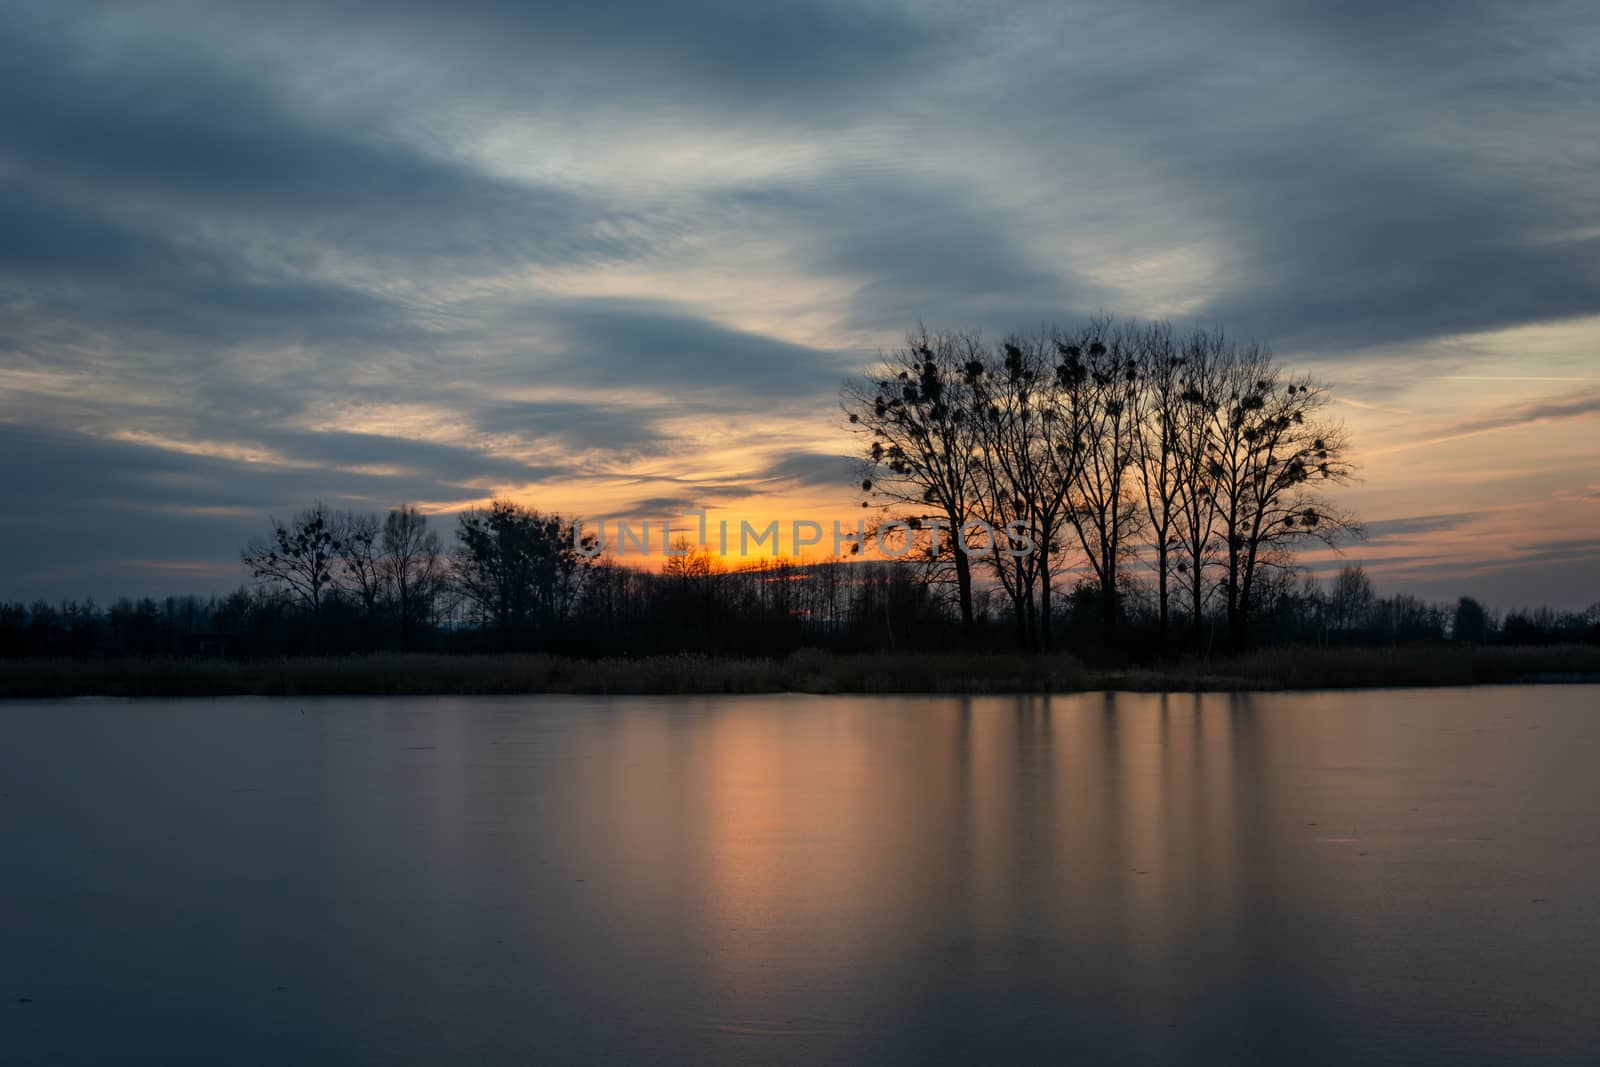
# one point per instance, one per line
(1271, 450)
(1100, 378)
(1029, 455)
(1351, 599)
(691, 563)
(300, 556)
(1205, 361)
(411, 567)
(1158, 420)
(920, 448)
(695, 571)
(361, 569)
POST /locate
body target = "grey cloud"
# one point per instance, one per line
(189, 133)
(676, 506)
(790, 60)
(39, 465)
(922, 250)
(815, 470)
(435, 465)
(1364, 251)
(634, 343)
(1368, 173)
(77, 266)
(1564, 548)
(693, 494)
(580, 426)
(1562, 407)
(651, 506)
(1394, 529)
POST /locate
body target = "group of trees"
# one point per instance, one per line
(1119, 446)
(392, 569)
(514, 578)
(512, 570)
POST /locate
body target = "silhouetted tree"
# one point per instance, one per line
(692, 572)
(412, 568)
(1351, 599)
(920, 449)
(1271, 450)
(519, 567)
(299, 557)
(1201, 383)
(1028, 453)
(1159, 421)
(361, 569)
(1100, 370)
(1471, 623)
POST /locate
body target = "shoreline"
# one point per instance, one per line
(805, 672)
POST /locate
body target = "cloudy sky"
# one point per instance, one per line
(615, 258)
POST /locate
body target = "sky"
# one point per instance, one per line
(615, 259)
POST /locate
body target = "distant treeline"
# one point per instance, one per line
(337, 583)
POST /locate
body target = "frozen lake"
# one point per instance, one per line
(1373, 877)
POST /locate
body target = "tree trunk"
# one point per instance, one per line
(1045, 638)
(1197, 597)
(964, 591)
(1161, 594)
(1236, 614)
(1108, 596)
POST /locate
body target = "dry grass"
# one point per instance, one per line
(807, 672)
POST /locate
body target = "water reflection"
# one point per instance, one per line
(1182, 878)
